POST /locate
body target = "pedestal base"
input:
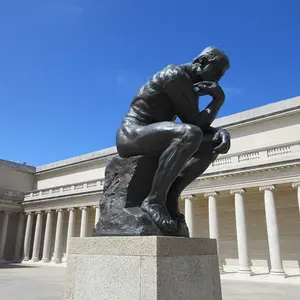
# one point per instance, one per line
(142, 268)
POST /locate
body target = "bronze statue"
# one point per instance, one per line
(180, 151)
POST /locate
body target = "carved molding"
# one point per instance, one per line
(71, 209)
(296, 184)
(212, 194)
(238, 191)
(267, 188)
(189, 197)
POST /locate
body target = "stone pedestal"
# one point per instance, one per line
(142, 268)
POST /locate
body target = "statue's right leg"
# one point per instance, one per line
(174, 144)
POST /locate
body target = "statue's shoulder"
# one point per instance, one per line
(173, 72)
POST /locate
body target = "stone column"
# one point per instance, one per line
(297, 185)
(213, 220)
(241, 231)
(189, 214)
(272, 230)
(37, 237)
(97, 214)
(84, 221)
(71, 227)
(19, 238)
(58, 237)
(3, 236)
(47, 238)
(27, 239)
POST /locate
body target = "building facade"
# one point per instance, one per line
(248, 199)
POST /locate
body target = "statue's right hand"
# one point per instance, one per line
(211, 88)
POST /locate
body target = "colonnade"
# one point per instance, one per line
(241, 225)
(33, 237)
(4, 227)
(58, 241)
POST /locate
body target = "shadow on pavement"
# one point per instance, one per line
(14, 266)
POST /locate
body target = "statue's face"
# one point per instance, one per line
(212, 70)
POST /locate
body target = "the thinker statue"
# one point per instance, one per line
(182, 151)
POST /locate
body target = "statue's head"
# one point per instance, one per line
(210, 65)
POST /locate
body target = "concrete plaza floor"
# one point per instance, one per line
(31, 282)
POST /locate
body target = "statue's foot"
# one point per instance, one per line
(160, 216)
(180, 217)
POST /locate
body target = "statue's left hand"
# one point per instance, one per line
(222, 138)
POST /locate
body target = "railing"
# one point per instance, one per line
(69, 189)
(257, 157)
(11, 196)
(224, 163)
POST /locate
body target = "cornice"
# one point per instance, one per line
(17, 166)
(266, 112)
(101, 155)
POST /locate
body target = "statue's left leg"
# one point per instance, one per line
(193, 169)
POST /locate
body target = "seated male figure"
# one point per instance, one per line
(184, 150)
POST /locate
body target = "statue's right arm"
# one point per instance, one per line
(185, 100)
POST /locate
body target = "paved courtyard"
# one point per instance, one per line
(29, 282)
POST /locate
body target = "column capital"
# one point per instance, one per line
(296, 184)
(48, 211)
(71, 209)
(6, 212)
(212, 194)
(38, 212)
(96, 206)
(267, 188)
(21, 214)
(60, 210)
(237, 191)
(28, 213)
(189, 197)
(83, 208)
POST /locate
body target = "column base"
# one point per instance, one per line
(56, 261)
(277, 273)
(26, 258)
(35, 259)
(3, 261)
(45, 260)
(245, 271)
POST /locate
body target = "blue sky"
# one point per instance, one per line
(69, 69)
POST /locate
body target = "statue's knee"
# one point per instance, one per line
(193, 134)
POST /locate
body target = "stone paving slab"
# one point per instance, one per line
(45, 282)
